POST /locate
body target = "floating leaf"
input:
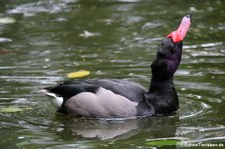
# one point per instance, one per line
(162, 142)
(11, 109)
(78, 74)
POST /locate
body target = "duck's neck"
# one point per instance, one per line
(163, 86)
(163, 96)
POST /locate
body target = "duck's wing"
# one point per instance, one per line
(131, 90)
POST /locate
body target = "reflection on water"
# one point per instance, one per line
(41, 41)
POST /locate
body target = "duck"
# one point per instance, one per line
(119, 98)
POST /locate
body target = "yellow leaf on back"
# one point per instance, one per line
(78, 74)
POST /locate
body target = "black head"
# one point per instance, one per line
(169, 54)
(167, 59)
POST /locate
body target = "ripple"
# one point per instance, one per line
(32, 79)
(30, 9)
(191, 108)
(5, 39)
(205, 139)
(204, 45)
(150, 25)
(7, 20)
(128, 1)
(206, 53)
(195, 134)
(10, 101)
(207, 49)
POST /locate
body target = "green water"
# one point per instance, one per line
(41, 41)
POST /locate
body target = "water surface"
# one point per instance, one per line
(41, 41)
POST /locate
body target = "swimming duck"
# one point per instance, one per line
(114, 98)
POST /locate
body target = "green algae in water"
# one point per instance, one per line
(159, 143)
(11, 109)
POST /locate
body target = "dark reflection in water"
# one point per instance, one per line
(116, 129)
(41, 41)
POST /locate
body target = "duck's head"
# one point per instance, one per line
(170, 52)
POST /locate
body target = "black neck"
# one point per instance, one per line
(163, 96)
(161, 85)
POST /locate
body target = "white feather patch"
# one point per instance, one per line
(55, 100)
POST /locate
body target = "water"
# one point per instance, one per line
(42, 41)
